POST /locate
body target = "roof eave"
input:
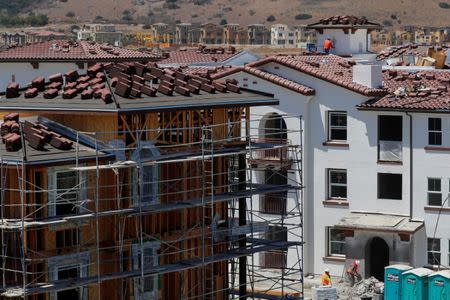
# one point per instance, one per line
(399, 109)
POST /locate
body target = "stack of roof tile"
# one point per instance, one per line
(133, 80)
(10, 132)
(344, 20)
(397, 51)
(69, 86)
(424, 90)
(36, 134)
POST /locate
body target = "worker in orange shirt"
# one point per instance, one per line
(327, 45)
(326, 278)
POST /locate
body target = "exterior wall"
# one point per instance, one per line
(24, 72)
(345, 44)
(432, 164)
(282, 36)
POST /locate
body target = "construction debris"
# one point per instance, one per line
(364, 288)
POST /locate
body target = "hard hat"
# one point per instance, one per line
(357, 262)
(327, 270)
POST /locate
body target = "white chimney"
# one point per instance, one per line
(368, 75)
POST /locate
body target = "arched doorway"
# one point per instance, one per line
(378, 257)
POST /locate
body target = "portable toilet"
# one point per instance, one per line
(415, 284)
(439, 285)
(393, 281)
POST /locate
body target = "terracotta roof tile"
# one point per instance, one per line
(424, 90)
(127, 85)
(276, 79)
(72, 51)
(323, 67)
(198, 55)
(344, 21)
(410, 49)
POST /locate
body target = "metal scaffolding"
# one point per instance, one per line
(157, 209)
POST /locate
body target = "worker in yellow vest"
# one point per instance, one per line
(326, 278)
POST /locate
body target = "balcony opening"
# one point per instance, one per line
(274, 203)
(390, 137)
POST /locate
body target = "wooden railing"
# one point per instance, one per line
(272, 154)
(273, 204)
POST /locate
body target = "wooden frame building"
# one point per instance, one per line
(118, 186)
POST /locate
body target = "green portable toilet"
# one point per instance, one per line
(415, 284)
(439, 285)
(393, 281)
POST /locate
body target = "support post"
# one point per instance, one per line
(242, 222)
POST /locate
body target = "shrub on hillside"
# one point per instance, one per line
(271, 18)
(303, 17)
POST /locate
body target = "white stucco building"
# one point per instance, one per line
(281, 35)
(349, 34)
(375, 164)
(100, 33)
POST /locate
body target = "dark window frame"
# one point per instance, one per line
(330, 185)
(434, 191)
(434, 252)
(435, 131)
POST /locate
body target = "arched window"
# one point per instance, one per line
(274, 128)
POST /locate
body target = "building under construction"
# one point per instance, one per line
(134, 182)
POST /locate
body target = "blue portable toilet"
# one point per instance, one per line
(439, 285)
(415, 284)
(393, 281)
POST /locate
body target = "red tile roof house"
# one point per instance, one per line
(350, 34)
(59, 56)
(409, 54)
(207, 56)
(375, 155)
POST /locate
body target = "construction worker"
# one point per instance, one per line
(327, 45)
(325, 278)
(352, 273)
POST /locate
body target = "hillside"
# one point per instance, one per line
(404, 12)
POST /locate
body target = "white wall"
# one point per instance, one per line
(24, 72)
(432, 164)
(345, 44)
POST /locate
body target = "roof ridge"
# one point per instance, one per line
(274, 78)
